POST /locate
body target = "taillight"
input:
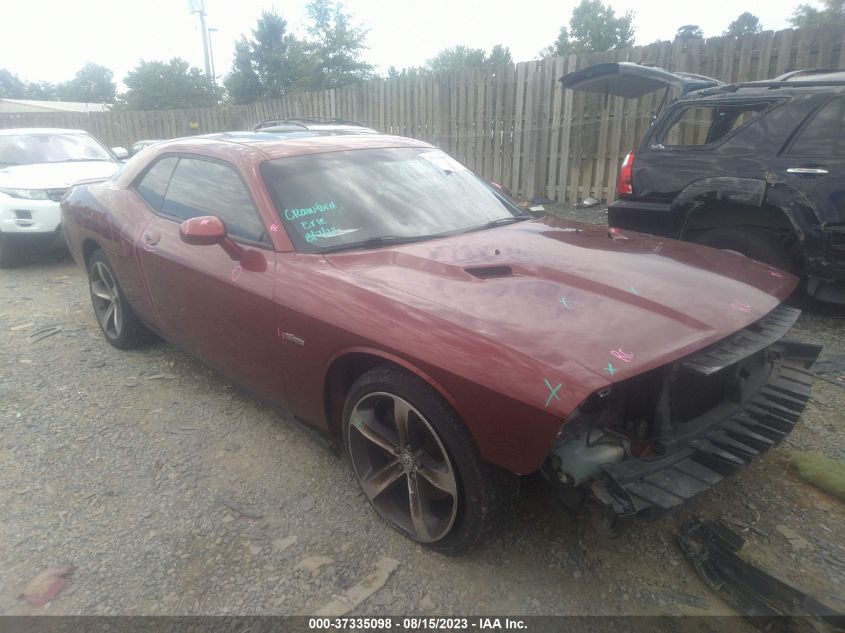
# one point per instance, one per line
(625, 184)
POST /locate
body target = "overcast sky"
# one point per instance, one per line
(50, 40)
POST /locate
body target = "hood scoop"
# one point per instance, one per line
(489, 272)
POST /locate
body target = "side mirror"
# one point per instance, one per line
(120, 153)
(205, 230)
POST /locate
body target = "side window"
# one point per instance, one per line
(201, 187)
(704, 125)
(153, 185)
(823, 136)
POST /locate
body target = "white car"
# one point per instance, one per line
(37, 166)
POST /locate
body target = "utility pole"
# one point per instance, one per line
(211, 30)
(198, 6)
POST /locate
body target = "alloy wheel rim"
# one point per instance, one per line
(403, 467)
(106, 300)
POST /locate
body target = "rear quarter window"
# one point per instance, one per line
(707, 125)
(153, 185)
(823, 134)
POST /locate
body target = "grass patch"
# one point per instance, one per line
(823, 472)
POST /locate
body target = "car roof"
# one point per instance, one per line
(283, 145)
(814, 75)
(279, 124)
(39, 130)
(792, 83)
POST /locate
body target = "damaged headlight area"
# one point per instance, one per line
(650, 443)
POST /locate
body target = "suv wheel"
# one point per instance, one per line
(418, 465)
(761, 244)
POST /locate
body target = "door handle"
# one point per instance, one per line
(807, 171)
(152, 237)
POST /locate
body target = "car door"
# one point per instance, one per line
(813, 164)
(218, 308)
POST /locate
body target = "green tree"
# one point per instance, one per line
(457, 58)
(689, 32)
(270, 44)
(463, 57)
(243, 84)
(41, 91)
(11, 86)
(593, 27)
(92, 84)
(337, 46)
(273, 61)
(159, 85)
(805, 15)
(262, 66)
(744, 24)
(499, 56)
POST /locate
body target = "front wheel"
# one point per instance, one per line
(418, 465)
(119, 324)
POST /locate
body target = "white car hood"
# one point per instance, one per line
(54, 175)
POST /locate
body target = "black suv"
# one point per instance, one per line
(754, 167)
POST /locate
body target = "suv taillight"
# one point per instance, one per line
(625, 184)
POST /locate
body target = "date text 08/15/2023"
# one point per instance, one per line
(389, 623)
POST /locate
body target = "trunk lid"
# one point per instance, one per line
(631, 81)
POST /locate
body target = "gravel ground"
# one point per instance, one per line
(170, 492)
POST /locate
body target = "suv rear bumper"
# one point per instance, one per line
(655, 218)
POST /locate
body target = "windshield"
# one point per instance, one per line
(29, 149)
(366, 197)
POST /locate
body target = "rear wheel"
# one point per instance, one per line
(418, 465)
(119, 324)
(774, 248)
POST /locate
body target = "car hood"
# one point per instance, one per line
(614, 302)
(54, 175)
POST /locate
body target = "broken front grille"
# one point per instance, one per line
(728, 442)
(749, 340)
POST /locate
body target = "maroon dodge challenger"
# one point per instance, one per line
(378, 290)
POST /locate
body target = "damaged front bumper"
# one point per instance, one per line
(709, 415)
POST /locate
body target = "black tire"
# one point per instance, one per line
(127, 331)
(485, 494)
(9, 255)
(764, 245)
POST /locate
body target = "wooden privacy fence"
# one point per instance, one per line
(514, 124)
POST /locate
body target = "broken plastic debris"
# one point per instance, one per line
(313, 563)
(768, 603)
(359, 592)
(46, 585)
